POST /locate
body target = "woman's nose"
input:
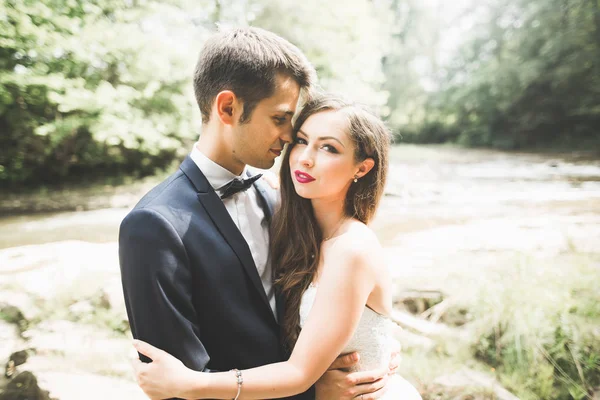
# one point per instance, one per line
(306, 159)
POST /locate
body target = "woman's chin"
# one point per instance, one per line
(302, 192)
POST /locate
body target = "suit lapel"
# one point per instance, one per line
(218, 213)
(267, 197)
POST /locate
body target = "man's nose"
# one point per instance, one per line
(286, 135)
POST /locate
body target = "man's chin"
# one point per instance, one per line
(263, 164)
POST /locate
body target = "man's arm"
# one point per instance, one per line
(156, 279)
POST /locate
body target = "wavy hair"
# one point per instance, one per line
(295, 235)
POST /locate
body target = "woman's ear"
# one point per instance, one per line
(227, 107)
(365, 167)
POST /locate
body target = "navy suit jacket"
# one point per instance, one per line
(190, 284)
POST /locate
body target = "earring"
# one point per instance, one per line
(355, 178)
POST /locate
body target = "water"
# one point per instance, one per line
(449, 216)
(429, 187)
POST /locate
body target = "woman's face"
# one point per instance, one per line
(322, 161)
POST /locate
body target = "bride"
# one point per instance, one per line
(328, 264)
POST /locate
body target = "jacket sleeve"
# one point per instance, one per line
(157, 285)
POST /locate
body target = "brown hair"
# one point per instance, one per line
(295, 234)
(246, 61)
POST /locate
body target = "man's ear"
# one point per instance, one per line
(365, 167)
(228, 107)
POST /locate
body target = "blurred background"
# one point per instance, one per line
(491, 219)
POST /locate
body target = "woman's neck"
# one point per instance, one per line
(329, 214)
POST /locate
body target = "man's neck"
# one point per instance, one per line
(212, 146)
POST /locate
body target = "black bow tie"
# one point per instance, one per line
(238, 185)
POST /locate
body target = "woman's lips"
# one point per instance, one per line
(303, 177)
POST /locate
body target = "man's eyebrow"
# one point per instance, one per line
(324, 137)
(285, 111)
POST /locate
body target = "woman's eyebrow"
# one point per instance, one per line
(324, 137)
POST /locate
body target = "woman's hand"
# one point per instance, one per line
(165, 376)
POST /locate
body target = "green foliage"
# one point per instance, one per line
(345, 41)
(540, 330)
(86, 89)
(528, 77)
(103, 87)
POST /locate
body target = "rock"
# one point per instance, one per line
(17, 358)
(59, 270)
(65, 346)
(77, 386)
(417, 301)
(11, 340)
(419, 325)
(81, 309)
(12, 315)
(475, 379)
(24, 302)
(24, 387)
(112, 295)
(411, 340)
(448, 313)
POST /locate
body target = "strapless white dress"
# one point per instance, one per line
(372, 341)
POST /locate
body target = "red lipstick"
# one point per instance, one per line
(303, 177)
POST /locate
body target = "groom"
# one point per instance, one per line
(194, 251)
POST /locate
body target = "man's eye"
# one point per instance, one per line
(280, 120)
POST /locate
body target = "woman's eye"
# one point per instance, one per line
(330, 148)
(300, 141)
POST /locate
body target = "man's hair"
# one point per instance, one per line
(247, 61)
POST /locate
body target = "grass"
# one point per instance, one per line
(539, 327)
(534, 324)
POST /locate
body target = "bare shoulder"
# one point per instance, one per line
(359, 238)
(356, 254)
(358, 244)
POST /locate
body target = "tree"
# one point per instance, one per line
(89, 88)
(528, 77)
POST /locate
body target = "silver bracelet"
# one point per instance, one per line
(240, 380)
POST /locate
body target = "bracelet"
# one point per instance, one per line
(240, 380)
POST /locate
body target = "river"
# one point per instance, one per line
(454, 221)
(429, 187)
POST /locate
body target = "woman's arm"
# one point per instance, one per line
(344, 287)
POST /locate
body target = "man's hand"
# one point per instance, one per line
(395, 357)
(364, 385)
(165, 376)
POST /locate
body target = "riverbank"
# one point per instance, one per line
(494, 255)
(76, 197)
(126, 191)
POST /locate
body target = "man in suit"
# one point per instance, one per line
(194, 251)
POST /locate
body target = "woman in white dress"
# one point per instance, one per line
(328, 264)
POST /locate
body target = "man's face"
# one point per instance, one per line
(261, 139)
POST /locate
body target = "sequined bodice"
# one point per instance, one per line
(371, 338)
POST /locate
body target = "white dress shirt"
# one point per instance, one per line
(247, 214)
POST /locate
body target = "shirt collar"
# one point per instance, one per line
(216, 175)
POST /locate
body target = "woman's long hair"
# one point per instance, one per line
(295, 234)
